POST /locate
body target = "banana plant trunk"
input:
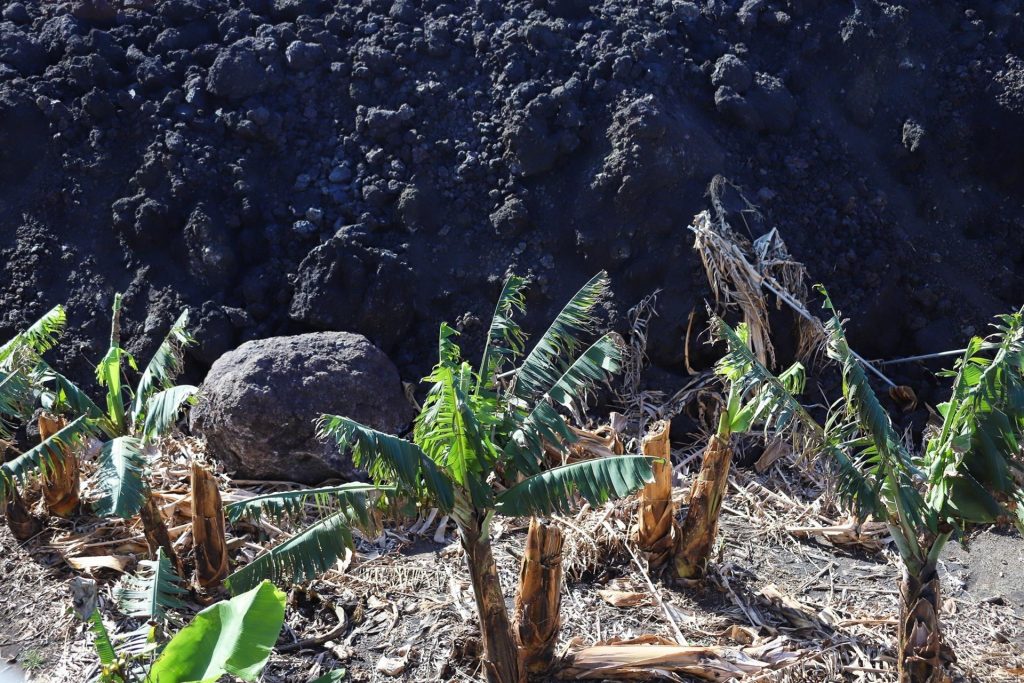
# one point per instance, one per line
(60, 482)
(700, 527)
(208, 529)
(923, 655)
(22, 523)
(657, 531)
(155, 530)
(539, 599)
(501, 661)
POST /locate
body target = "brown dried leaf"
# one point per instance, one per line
(624, 598)
(775, 450)
(739, 634)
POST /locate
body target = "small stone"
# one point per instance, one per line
(731, 71)
(621, 67)
(687, 11)
(340, 174)
(510, 218)
(260, 116)
(237, 73)
(17, 13)
(174, 142)
(304, 227)
(773, 102)
(301, 56)
(913, 133)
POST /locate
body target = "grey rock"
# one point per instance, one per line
(237, 73)
(342, 286)
(340, 174)
(510, 219)
(259, 403)
(749, 12)
(687, 11)
(17, 13)
(20, 50)
(304, 227)
(768, 105)
(913, 133)
(293, 9)
(410, 208)
(731, 71)
(301, 56)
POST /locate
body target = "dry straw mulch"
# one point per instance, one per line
(793, 584)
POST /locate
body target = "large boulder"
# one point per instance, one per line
(259, 402)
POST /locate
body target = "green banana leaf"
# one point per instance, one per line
(230, 637)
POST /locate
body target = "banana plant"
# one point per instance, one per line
(314, 549)
(968, 472)
(21, 385)
(131, 420)
(20, 358)
(477, 450)
(232, 637)
(128, 421)
(152, 592)
(750, 405)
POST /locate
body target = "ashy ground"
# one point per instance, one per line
(789, 567)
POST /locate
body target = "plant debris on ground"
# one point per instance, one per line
(790, 566)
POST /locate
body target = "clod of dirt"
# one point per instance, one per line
(732, 72)
(259, 403)
(237, 72)
(341, 284)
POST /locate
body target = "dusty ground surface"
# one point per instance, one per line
(405, 604)
(288, 165)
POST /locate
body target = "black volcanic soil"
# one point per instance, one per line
(289, 165)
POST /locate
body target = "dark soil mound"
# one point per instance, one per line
(291, 165)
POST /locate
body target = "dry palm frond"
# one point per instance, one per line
(733, 280)
(868, 535)
(647, 657)
(702, 391)
(740, 272)
(630, 396)
(774, 262)
(595, 535)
